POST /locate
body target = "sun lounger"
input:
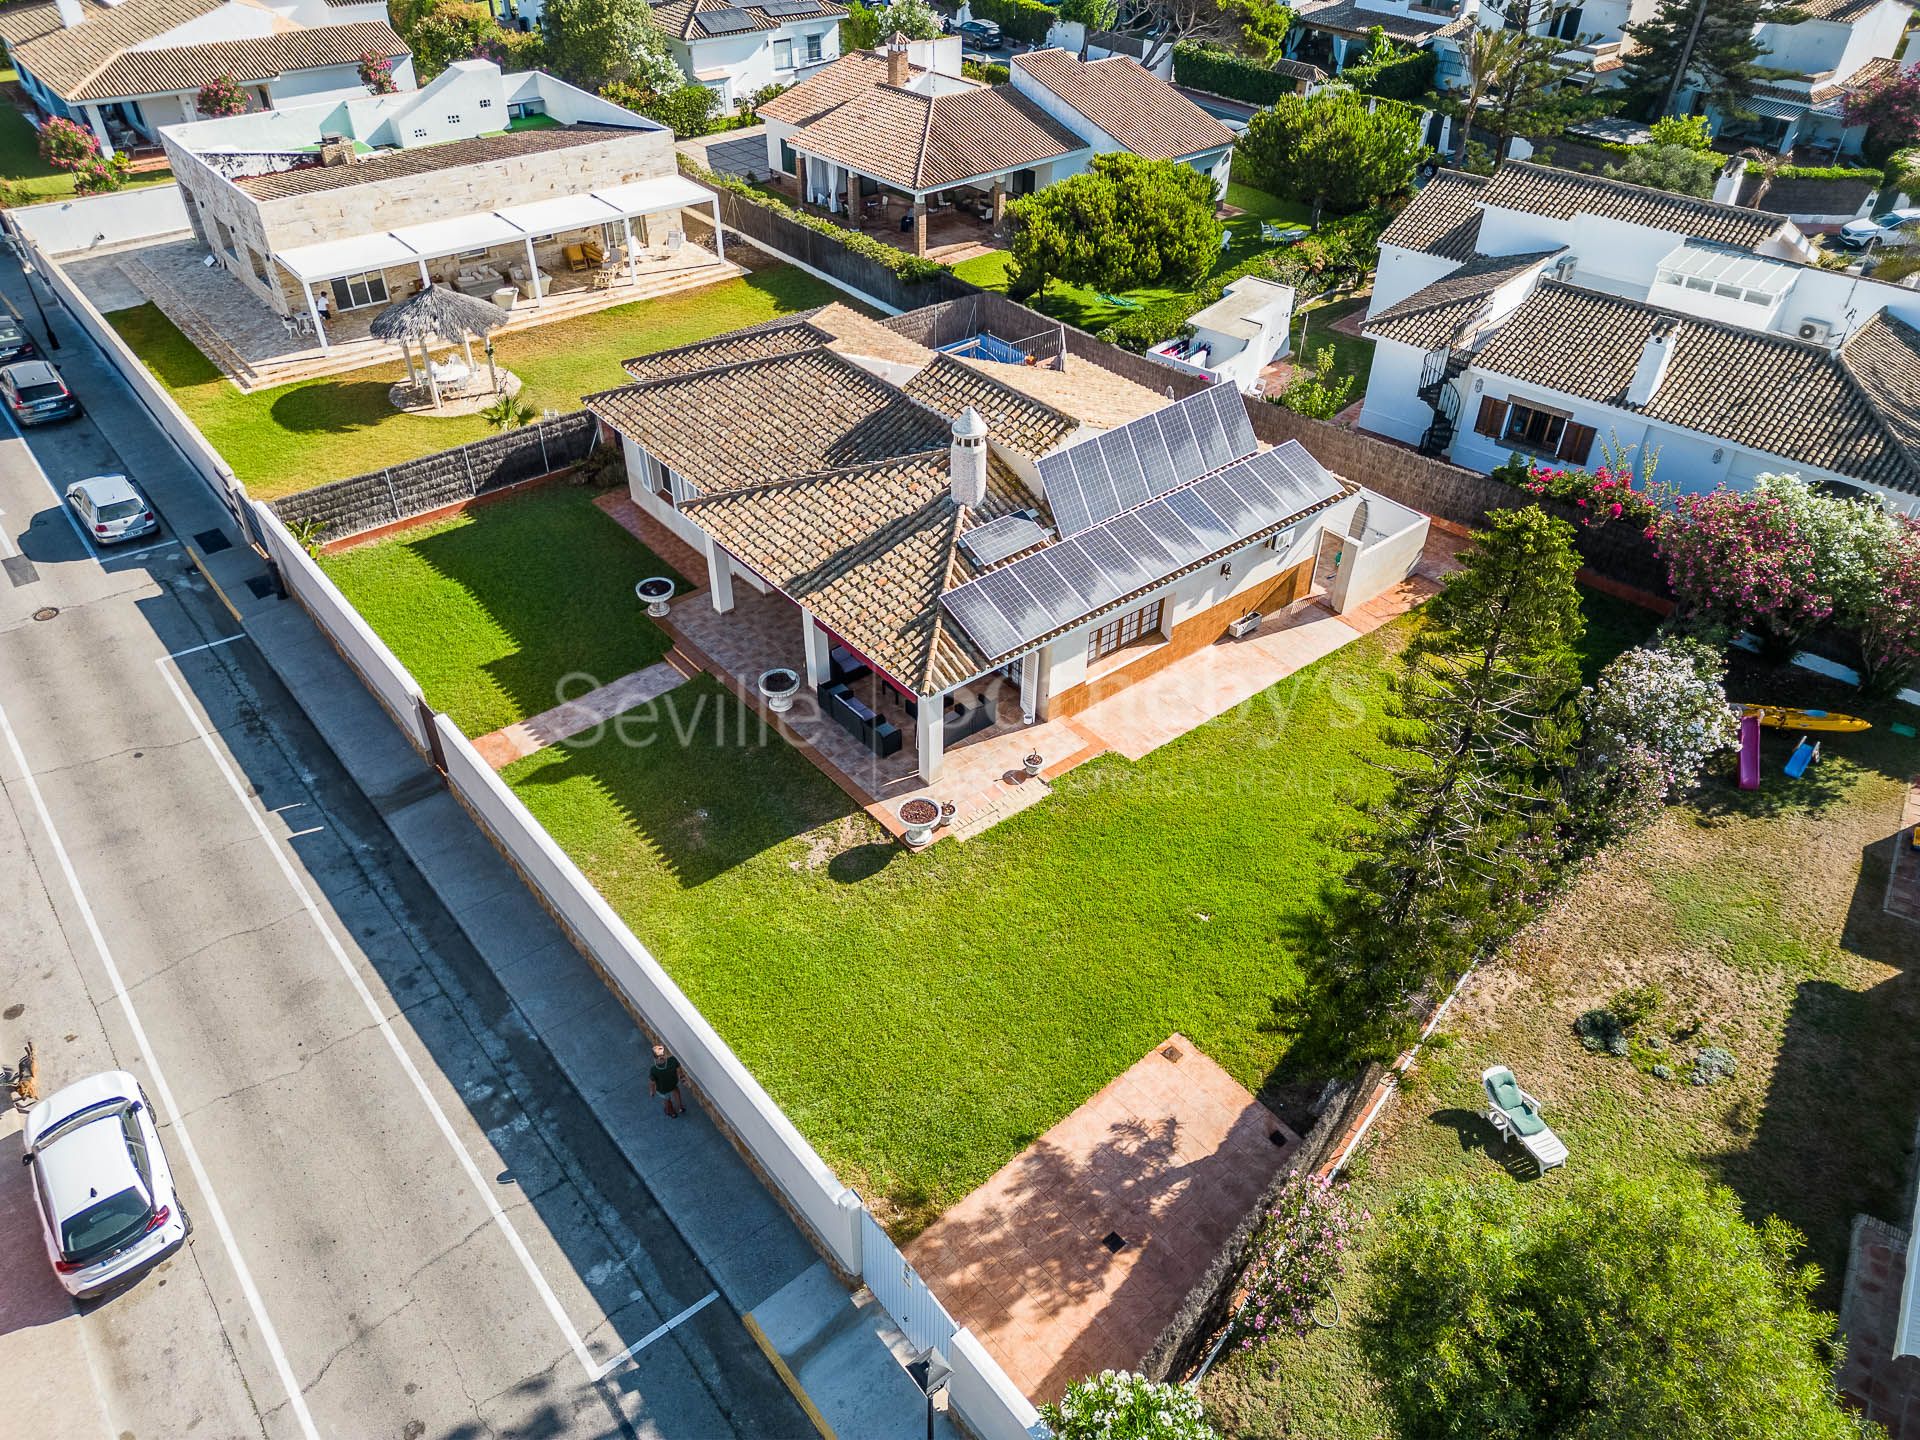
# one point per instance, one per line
(1119, 302)
(1516, 1115)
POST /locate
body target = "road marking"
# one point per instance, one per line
(207, 575)
(59, 495)
(492, 1203)
(215, 1212)
(211, 644)
(7, 550)
(654, 1334)
(136, 554)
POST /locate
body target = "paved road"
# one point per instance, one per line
(408, 1223)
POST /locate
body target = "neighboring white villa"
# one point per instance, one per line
(127, 67)
(1237, 336)
(1332, 33)
(501, 185)
(1834, 48)
(905, 125)
(738, 49)
(1543, 312)
(977, 521)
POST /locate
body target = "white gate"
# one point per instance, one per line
(900, 1290)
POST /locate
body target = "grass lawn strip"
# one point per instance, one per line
(22, 167)
(498, 611)
(925, 1018)
(297, 436)
(1760, 918)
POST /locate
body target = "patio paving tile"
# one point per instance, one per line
(517, 741)
(1903, 884)
(1885, 1389)
(1171, 1155)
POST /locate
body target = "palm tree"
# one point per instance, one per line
(1490, 53)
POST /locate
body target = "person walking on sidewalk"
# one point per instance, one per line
(664, 1080)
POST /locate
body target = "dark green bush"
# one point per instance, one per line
(1220, 72)
(1023, 20)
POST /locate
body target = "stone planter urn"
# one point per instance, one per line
(919, 815)
(1033, 762)
(778, 686)
(654, 594)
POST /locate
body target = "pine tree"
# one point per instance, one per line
(1712, 40)
(1464, 841)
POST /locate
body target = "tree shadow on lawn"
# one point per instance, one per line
(1476, 1133)
(335, 407)
(1834, 1135)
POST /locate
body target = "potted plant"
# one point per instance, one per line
(1033, 762)
(778, 686)
(654, 594)
(919, 815)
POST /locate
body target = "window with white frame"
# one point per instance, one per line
(1124, 630)
(814, 51)
(783, 53)
(1534, 427)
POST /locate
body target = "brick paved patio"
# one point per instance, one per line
(1167, 1159)
(1903, 885)
(1883, 1388)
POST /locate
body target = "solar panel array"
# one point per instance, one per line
(728, 21)
(1098, 479)
(1008, 609)
(994, 541)
(785, 7)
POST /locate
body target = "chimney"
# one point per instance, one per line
(69, 11)
(967, 460)
(899, 68)
(1652, 369)
(336, 150)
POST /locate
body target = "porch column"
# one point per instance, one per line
(719, 240)
(999, 204)
(920, 226)
(633, 260)
(98, 120)
(1030, 687)
(313, 312)
(819, 668)
(719, 577)
(425, 278)
(931, 735)
(533, 274)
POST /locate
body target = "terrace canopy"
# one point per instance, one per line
(329, 260)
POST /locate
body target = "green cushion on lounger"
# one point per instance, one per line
(1504, 1090)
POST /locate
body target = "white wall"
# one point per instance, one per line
(63, 227)
(750, 60)
(1392, 408)
(1402, 272)
(1381, 558)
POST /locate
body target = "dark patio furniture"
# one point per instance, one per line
(843, 666)
(858, 719)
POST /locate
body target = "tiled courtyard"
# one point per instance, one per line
(1884, 1389)
(1075, 1256)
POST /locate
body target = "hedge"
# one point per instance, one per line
(1219, 72)
(991, 73)
(1341, 250)
(1407, 75)
(910, 268)
(1828, 172)
(1019, 19)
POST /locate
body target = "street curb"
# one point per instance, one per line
(787, 1377)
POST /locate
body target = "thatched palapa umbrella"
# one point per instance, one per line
(438, 313)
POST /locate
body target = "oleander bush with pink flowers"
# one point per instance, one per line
(1298, 1253)
(1598, 496)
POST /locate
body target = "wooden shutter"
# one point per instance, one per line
(1576, 443)
(1492, 412)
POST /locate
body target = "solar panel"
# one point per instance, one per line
(1096, 485)
(994, 541)
(1173, 533)
(1208, 528)
(1250, 484)
(784, 7)
(982, 620)
(1134, 535)
(1015, 602)
(1176, 432)
(1129, 484)
(729, 20)
(1217, 443)
(1078, 569)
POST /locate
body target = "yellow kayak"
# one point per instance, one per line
(1779, 717)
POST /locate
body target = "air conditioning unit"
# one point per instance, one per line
(1817, 332)
(1245, 625)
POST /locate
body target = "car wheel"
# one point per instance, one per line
(186, 1219)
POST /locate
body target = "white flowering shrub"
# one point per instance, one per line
(1119, 1405)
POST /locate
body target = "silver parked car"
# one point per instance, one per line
(111, 508)
(102, 1183)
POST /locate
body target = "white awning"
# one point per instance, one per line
(563, 212)
(331, 259)
(648, 197)
(437, 238)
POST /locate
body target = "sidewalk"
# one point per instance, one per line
(748, 1243)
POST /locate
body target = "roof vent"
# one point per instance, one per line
(1652, 369)
(899, 67)
(69, 12)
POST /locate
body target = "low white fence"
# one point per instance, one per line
(66, 227)
(901, 1292)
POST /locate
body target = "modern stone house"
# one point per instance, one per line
(989, 536)
(500, 185)
(127, 67)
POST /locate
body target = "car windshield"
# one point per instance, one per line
(120, 510)
(45, 390)
(103, 1227)
(11, 334)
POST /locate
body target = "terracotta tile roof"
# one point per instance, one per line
(1297, 69)
(1090, 394)
(927, 142)
(784, 336)
(1438, 314)
(681, 18)
(770, 419)
(834, 84)
(425, 159)
(949, 386)
(1883, 357)
(1563, 194)
(188, 67)
(1444, 218)
(1138, 109)
(1763, 391)
(869, 549)
(856, 335)
(64, 59)
(1347, 17)
(1843, 12)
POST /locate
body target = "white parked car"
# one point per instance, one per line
(102, 1182)
(111, 508)
(1896, 227)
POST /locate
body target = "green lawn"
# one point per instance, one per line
(22, 167)
(1760, 917)
(1313, 331)
(498, 611)
(1080, 306)
(300, 435)
(924, 1018)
